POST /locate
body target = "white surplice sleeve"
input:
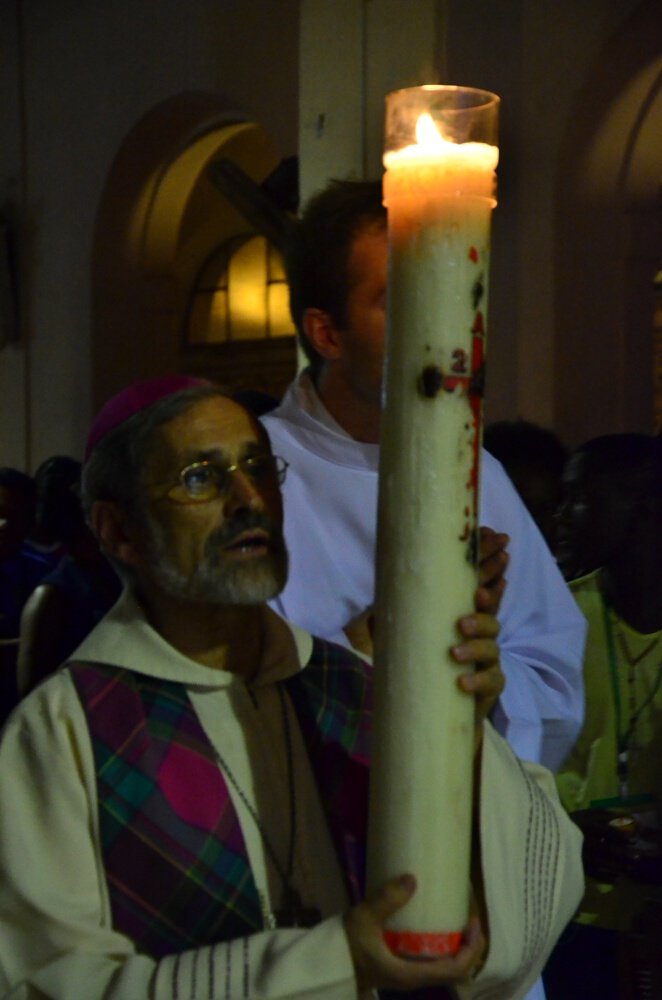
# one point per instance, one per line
(532, 871)
(56, 935)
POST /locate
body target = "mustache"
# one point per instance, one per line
(245, 521)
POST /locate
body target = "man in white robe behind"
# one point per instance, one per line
(328, 428)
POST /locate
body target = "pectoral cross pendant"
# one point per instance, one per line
(292, 912)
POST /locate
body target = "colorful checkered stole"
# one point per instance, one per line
(173, 850)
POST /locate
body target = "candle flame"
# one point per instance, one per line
(427, 133)
(432, 146)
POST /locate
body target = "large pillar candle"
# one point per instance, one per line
(439, 184)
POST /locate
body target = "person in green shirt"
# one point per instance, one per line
(611, 782)
(613, 488)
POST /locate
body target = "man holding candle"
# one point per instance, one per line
(184, 806)
(328, 429)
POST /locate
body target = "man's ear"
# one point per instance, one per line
(322, 334)
(110, 525)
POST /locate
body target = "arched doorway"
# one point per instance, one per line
(161, 230)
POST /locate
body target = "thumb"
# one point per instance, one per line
(391, 896)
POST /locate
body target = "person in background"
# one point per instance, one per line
(69, 600)
(534, 458)
(584, 521)
(611, 782)
(184, 804)
(328, 427)
(56, 502)
(21, 570)
(614, 500)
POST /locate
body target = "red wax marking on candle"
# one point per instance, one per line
(477, 360)
(459, 366)
(473, 255)
(421, 944)
(479, 323)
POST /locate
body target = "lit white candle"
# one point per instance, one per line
(439, 194)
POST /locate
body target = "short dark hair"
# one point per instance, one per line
(629, 464)
(20, 482)
(20, 489)
(58, 511)
(318, 247)
(520, 443)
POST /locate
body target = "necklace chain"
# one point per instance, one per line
(292, 912)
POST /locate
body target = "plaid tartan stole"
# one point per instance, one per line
(174, 854)
(333, 701)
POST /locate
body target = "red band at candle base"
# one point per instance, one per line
(421, 944)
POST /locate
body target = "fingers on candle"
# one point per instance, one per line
(391, 896)
(486, 685)
(482, 649)
(445, 971)
(492, 553)
(377, 967)
(492, 566)
(379, 905)
(408, 974)
(489, 599)
(484, 653)
(491, 541)
(480, 625)
(374, 963)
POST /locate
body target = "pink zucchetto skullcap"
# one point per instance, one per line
(137, 397)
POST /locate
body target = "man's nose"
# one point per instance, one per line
(242, 493)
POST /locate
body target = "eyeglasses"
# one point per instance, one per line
(205, 481)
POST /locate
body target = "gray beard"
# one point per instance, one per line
(217, 580)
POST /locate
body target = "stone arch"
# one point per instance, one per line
(159, 218)
(609, 238)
